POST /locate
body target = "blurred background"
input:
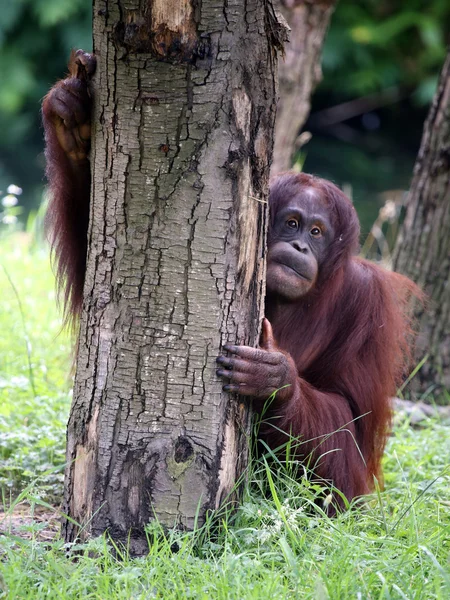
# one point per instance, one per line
(381, 61)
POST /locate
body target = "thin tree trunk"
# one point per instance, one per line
(423, 248)
(299, 72)
(185, 100)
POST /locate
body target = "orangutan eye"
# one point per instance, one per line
(292, 223)
(316, 232)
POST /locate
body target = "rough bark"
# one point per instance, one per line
(299, 72)
(185, 100)
(423, 248)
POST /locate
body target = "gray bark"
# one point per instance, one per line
(299, 73)
(185, 101)
(423, 248)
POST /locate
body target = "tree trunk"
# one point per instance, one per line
(185, 100)
(299, 73)
(423, 248)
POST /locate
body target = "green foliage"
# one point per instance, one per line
(34, 368)
(373, 45)
(55, 12)
(32, 34)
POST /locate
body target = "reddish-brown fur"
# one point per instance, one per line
(350, 339)
(67, 222)
(68, 175)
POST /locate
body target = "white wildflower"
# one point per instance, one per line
(9, 219)
(9, 201)
(389, 211)
(14, 189)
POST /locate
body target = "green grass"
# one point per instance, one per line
(34, 370)
(278, 545)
